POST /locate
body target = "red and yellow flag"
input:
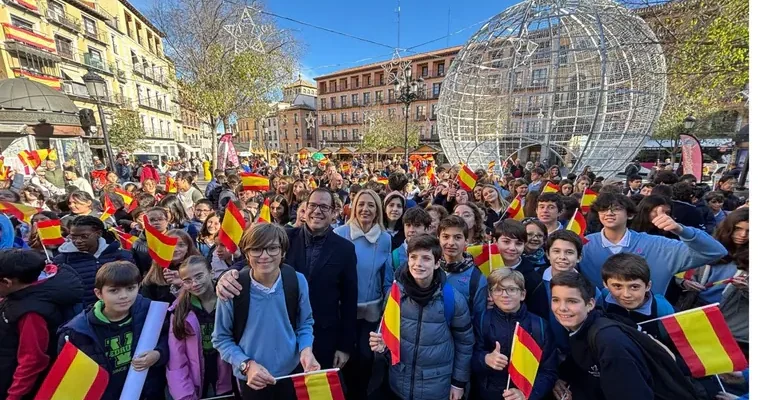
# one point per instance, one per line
(50, 232)
(525, 360)
(345, 168)
(20, 211)
(383, 180)
(430, 174)
(322, 385)
(160, 246)
(588, 197)
(33, 158)
(516, 210)
(232, 227)
(170, 184)
(578, 225)
(73, 376)
(108, 208)
(264, 214)
(491, 167)
(467, 178)
(4, 171)
(126, 195)
(551, 187)
(254, 182)
(127, 240)
(705, 342)
(391, 323)
(486, 257)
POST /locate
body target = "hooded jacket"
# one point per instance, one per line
(433, 355)
(459, 276)
(89, 334)
(86, 264)
(54, 298)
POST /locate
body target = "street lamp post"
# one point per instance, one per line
(408, 90)
(96, 88)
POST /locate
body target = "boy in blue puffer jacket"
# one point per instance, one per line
(495, 334)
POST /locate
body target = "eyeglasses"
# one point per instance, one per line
(535, 236)
(717, 201)
(510, 290)
(529, 220)
(611, 209)
(199, 278)
(272, 251)
(325, 208)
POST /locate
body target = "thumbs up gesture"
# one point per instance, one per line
(496, 360)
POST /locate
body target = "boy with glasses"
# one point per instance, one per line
(495, 335)
(666, 257)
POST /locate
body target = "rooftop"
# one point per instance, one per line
(415, 57)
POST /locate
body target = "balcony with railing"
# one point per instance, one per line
(137, 68)
(123, 101)
(64, 20)
(96, 35)
(96, 62)
(29, 37)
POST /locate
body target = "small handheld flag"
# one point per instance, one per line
(127, 240)
(264, 214)
(578, 225)
(491, 167)
(232, 228)
(704, 341)
(254, 182)
(525, 360)
(320, 385)
(170, 185)
(430, 174)
(383, 180)
(467, 178)
(33, 158)
(551, 187)
(50, 232)
(4, 171)
(515, 210)
(588, 197)
(160, 246)
(391, 323)
(486, 257)
(127, 196)
(108, 208)
(73, 376)
(20, 211)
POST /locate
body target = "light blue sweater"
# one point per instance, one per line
(371, 258)
(268, 339)
(666, 257)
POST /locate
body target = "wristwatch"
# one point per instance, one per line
(244, 366)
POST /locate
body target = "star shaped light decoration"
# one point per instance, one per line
(523, 48)
(246, 33)
(394, 68)
(310, 120)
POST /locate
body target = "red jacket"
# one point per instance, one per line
(149, 172)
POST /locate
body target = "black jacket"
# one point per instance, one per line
(617, 370)
(707, 213)
(731, 202)
(333, 286)
(86, 265)
(687, 214)
(54, 299)
(535, 292)
(86, 332)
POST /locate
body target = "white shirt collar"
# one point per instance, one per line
(624, 242)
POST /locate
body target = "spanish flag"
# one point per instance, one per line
(74, 376)
(170, 184)
(127, 240)
(688, 274)
(578, 225)
(4, 171)
(491, 167)
(232, 227)
(345, 168)
(383, 180)
(588, 197)
(264, 214)
(467, 178)
(20, 211)
(525, 360)
(50, 232)
(430, 174)
(321, 385)
(391, 323)
(551, 187)
(128, 197)
(160, 247)
(705, 341)
(516, 210)
(486, 257)
(254, 182)
(33, 158)
(108, 208)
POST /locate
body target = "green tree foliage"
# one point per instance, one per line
(384, 132)
(706, 48)
(126, 132)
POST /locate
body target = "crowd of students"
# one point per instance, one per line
(307, 291)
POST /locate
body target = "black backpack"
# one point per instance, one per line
(473, 286)
(669, 382)
(214, 196)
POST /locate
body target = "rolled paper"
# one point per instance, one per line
(148, 339)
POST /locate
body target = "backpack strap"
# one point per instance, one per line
(395, 260)
(448, 300)
(291, 293)
(241, 305)
(473, 286)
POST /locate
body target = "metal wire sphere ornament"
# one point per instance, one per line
(578, 82)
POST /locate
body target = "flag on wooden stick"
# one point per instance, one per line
(391, 323)
(127, 240)
(525, 360)
(73, 376)
(264, 214)
(578, 225)
(551, 187)
(160, 246)
(321, 385)
(50, 232)
(467, 178)
(588, 197)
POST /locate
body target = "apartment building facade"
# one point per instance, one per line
(348, 97)
(57, 41)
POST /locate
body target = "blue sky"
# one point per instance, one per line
(376, 20)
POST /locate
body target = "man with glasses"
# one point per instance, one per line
(665, 256)
(202, 209)
(328, 263)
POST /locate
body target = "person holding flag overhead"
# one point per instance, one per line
(36, 301)
(427, 304)
(168, 251)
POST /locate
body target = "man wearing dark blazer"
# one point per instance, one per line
(328, 262)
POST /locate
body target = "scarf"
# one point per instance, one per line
(356, 232)
(537, 258)
(458, 266)
(420, 295)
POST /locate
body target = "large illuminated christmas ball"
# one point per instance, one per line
(577, 82)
